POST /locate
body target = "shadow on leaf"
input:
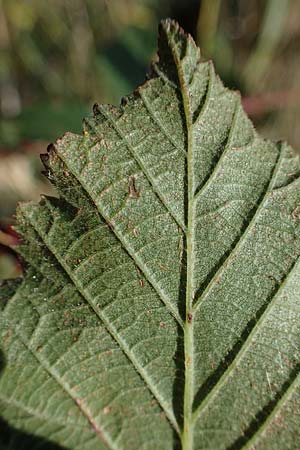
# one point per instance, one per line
(13, 439)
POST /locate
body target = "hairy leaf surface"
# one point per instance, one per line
(160, 305)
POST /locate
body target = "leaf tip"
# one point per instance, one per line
(171, 27)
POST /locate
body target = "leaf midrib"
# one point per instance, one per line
(187, 438)
(193, 196)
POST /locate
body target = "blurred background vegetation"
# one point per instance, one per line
(57, 58)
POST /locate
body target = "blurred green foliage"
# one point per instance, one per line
(57, 58)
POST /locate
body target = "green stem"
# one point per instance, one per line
(187, 440)
(187, 434)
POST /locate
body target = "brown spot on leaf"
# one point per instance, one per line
(106, 410)
(189, 317)
(110, 225)
(132, 190)
(296, 213)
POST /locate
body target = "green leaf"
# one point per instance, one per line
(160, 307)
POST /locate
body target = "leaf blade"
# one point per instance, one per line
(177, 234)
